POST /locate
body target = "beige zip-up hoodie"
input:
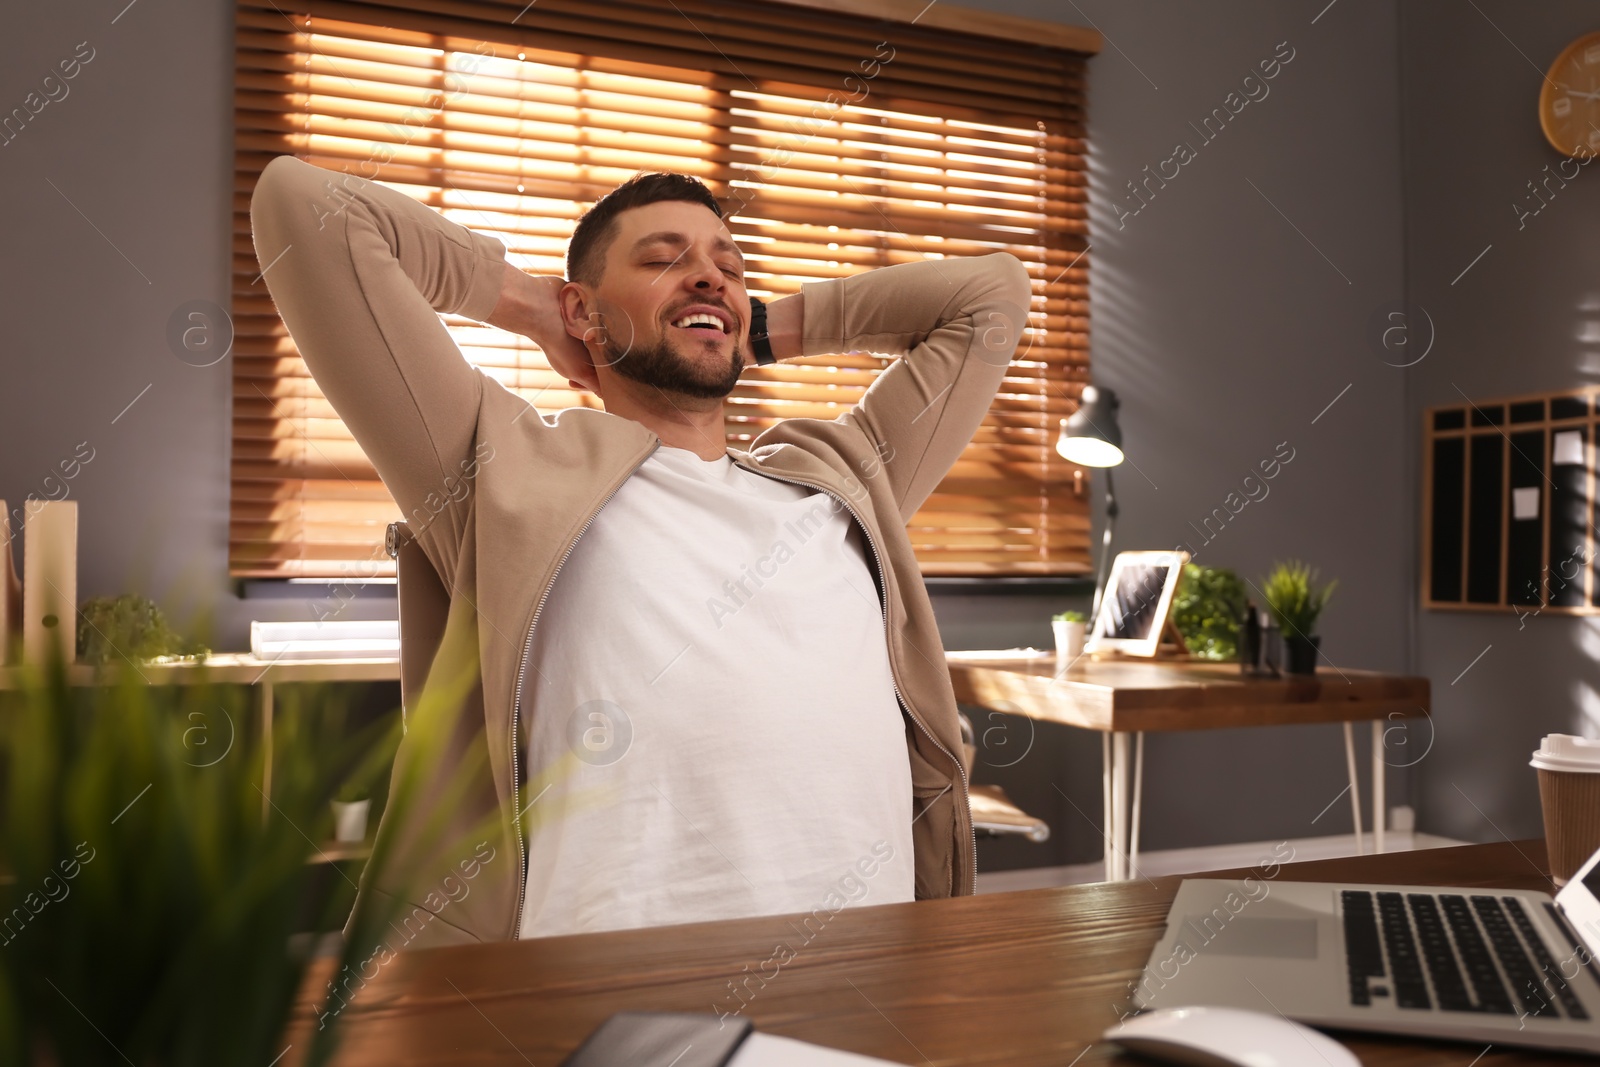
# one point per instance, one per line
(498, 494)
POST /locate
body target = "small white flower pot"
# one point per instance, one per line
(350, 820)
(1069, 640)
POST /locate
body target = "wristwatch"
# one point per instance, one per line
(760, 343)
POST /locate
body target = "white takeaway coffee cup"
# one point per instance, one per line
(1569, 792)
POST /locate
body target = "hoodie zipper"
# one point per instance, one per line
(516, 704)
(883, 608)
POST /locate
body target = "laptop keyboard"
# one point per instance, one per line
(1452, 953)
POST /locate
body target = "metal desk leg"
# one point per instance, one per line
(1119, 803)
(1380, 814)
(1109, 815)
(1355, 784)
(265, 688)
(1138, 793)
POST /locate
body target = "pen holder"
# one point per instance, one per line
(1271, 651)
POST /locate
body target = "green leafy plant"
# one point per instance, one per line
(135, 832)
(1068, 616)
(128, 627)
(152, 893)
(353, 791)
(368, 773)
(1206, 608)
(1294, 598)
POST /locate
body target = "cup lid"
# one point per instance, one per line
(1566, 752)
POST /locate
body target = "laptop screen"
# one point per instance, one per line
(1580, 903)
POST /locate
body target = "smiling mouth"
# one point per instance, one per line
(702, 323)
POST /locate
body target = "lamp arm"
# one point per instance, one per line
(1105, 546)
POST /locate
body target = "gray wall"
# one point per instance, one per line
(118, 211)
(117, 200)
(1227, 315)
(1220, 321)
(1525, 318)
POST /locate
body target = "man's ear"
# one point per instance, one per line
(582, 317)
(574, 301)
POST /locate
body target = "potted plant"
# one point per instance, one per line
(131, 627)
(1206, 609)
(1070, 629)
(350, 809)
(1295, 600)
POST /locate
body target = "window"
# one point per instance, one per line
(839, 142)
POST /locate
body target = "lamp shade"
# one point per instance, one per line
(1090, 436)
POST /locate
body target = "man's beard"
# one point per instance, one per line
(660, 366)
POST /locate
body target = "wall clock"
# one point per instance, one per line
(1569, 102)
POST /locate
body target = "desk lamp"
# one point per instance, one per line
(1090, 437)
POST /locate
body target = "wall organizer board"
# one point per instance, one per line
(1509, 509)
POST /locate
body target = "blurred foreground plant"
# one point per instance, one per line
(146, 903)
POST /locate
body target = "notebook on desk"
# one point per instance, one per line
(678, 1039)
(1509, 967)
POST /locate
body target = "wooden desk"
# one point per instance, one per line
(1123, 698)
(234, 668)
(1003, 980)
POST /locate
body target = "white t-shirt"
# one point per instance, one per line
(712, 730)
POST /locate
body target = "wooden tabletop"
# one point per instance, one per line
(1006, 980)
(237, 668)
(1122, 694)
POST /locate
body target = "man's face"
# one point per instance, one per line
(673, 302)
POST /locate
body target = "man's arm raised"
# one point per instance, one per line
(529, 305)
(360, 273)
(955, 323)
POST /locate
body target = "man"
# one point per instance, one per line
(711, 681)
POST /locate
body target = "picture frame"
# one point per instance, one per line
(1135, 616)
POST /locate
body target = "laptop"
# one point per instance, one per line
(1502, 966)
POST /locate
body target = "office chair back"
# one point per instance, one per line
(424, 606)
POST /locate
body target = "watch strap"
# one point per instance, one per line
(760, 343)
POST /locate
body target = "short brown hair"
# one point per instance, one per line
(586, 253)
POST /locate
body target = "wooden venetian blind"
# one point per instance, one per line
(840, 143)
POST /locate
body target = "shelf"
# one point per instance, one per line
(340, 851)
